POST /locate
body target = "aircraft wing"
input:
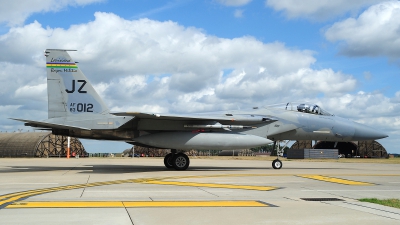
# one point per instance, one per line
(201, 117)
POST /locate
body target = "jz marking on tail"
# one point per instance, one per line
(73, 87)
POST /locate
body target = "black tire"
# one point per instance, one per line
(168, 160)
(180, 161)
(277, 164)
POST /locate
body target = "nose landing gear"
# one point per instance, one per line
(277, 164)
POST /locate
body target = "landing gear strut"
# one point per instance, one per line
(179, 161)
(276, 164)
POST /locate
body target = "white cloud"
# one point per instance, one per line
(364, 105)
(396, 98)
(14, 76)
(165, 66)
(318, 9)
(33, 92)
(367, 75)
(141, 108)
(375, 32)
(112, 45)
(303, 83)
(233, 2)
(7, 108)
(15, 12)
(238, 13)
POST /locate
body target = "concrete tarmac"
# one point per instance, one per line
(142, 191)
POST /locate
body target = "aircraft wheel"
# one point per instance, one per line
(180, 161)
(277, 164)
(168, 160)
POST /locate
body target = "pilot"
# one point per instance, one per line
(315, 109)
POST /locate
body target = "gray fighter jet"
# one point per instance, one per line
(75, 109)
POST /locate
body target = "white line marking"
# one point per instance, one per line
(266, 183)
(28, 183)
(139, 191)
(350, 190)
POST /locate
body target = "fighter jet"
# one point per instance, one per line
(75, 109)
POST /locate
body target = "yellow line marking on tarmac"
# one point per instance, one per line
(65, 205)
(366, 175)
(336, 180)
(9, 198)
(229, 186)
(136, 204)
(14, 197)
(225, 175)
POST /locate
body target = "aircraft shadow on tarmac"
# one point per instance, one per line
(118, 169)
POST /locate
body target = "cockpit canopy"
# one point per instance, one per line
(304, 108)
(311, 108)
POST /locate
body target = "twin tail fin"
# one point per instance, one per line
(70, 94)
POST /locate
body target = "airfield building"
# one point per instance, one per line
(362, 149)
(38, 144)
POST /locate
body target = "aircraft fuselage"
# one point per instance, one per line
(184, 134)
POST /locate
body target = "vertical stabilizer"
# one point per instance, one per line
(70, 93)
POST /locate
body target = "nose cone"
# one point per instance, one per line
(363, 132)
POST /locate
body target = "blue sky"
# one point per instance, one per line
(197, 56)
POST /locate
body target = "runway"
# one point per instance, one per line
(142, 191)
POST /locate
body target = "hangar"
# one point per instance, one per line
(38, 144)
(363, 149)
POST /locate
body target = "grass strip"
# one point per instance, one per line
(387, 202)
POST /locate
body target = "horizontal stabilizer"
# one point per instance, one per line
(42, 124)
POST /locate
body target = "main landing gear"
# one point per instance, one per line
(179, 161)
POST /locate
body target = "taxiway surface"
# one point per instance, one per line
(142, 191)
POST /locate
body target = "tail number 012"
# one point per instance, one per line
(81, 107)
